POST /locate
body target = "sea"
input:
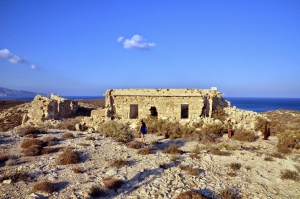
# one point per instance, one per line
(245, 103)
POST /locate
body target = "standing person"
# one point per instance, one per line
(143, 131)
(229, 128)
(203, 113)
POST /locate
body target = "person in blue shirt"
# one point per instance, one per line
(143, 131)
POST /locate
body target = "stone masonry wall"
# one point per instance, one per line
(53, 108)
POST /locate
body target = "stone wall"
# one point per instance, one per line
(167, 102)
(53, 108)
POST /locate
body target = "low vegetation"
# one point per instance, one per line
(288, 140)
(67, 135)
(190, 170)
(69, 156)
(44, 186)
(69, 123)
(229, 193)
(112, 183)
(117, 130)
(290, 175)
(26, 130)
(219, 113)
(118, 163)
(172, 149)
(16, 176)
(96, 191)
(235, 166)
(146, 151)
(216, 151)
(190, 195)
(244, 135)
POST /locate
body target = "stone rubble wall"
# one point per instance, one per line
(53, 108)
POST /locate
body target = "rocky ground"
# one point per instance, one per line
(154, 175)
(250, 169)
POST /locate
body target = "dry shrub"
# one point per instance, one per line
(146, 151)
(228, 193)
(68, 157)
(135, 144)
(31, 136)
(277, 155)
(17, 176)
(268, 158)
(226, 146)
(67, 135)
(118, 163)
(290, 175)
(190, 195)
(33, 150)
(48, 150)
(3, 158)
(218, 152)
(96, 191)
(112, 183)
(172, 149)
(194, 155)
(44, 186)
(27, 143)
(244, 135)
(83, 144)
(90, 138)
(232, 174)
(50, 140)
(78, 170)
(288, 140)
(197, 150)
(211, 132)
(218, 113)
(174, 158)
(163, 166)
(235, 166)
(169, 129)
(260, 123)
(25, 130)
(69, 123)
(11, 162)
(117, 130)
(190, 170)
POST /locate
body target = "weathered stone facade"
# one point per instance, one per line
(53, 108)
(172, 104)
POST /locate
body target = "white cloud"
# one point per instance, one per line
(138, 42)
(33, 67)
(120, 39)
(6, 54)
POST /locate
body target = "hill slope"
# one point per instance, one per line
(6, 92)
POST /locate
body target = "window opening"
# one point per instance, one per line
(184, 111)
(153, 111)
(133, 111)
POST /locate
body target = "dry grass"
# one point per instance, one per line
(78, 170)
(288, 140)
(16, 176)
(118, 163)
(67, 135)
(3, 158)
(68, 157)
(11, 162)
(48, 150)
(50, 140)
(117, 130)
(44, 186)
(83, 144)
(190, 170)
(27, 143)
(297, 167)
(33, 150)
(172, 149)
(244, 135)
(235, 166)
(269, 158)
(112, 183)
(226, 146)
(218, 113)
(229, 194)
(277, 155)
(146, 151)
(96, 191)
(90, 138)
(218, 152)
(190, 195)
(26, 130)
(211, 132)
(290, 175)
(135, 144)
(174, 158)
(69, 123)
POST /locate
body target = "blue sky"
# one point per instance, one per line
(84, 47)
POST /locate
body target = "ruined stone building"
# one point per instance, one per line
(53, 108)
(173, 104)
